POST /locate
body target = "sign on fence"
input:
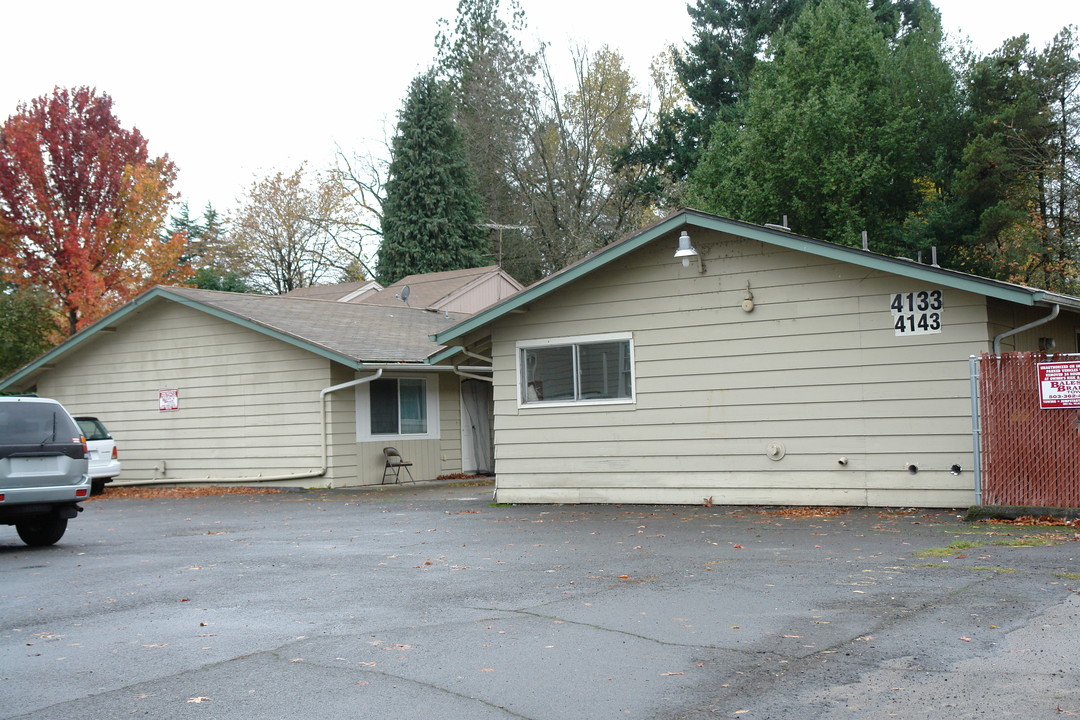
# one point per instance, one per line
(1059, 385)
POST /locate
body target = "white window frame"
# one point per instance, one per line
(363, 410)
(520, 381)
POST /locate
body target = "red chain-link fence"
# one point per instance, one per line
(1030, 455)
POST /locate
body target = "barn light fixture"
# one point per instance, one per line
(687, 251)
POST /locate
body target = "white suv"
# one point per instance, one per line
(104, 460)
(44, 472)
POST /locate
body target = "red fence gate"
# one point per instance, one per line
(1029, 455)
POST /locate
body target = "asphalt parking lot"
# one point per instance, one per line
(430, 602)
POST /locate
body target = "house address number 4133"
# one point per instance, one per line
(916, 313)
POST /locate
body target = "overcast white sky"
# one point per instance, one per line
(234, 90)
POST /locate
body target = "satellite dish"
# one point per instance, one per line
(405, 294)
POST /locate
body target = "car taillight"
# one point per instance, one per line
(114, 455)
(85, 449)
(81, 493)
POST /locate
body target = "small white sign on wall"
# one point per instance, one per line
(917, 313)
(168, 400)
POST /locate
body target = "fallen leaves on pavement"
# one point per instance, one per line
(149, 493)
(805, 512)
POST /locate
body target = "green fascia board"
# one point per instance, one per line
(884, 263)
(443, 355)
(163, 293)
(782, 238)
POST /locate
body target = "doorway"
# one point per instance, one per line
(477, 431)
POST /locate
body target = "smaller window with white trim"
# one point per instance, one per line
(397, 407)
(593, 369)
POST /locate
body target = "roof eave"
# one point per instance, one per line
(875, 261)
(160, 292)
(960, 281)
(598, 259)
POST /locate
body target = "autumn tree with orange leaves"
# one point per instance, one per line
(81, 204)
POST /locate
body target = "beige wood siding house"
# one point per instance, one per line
(785, 371)
(259, 382)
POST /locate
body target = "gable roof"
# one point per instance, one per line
(435, 290)
(689, 219)
(347, 333)
(341, 292)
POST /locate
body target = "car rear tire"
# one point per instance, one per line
(97, 486)
(42, 531)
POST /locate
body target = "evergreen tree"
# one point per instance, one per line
(1015, 205)
(208, 278)
(217, 261)
(28, 325)
(433, 214)
(714, 69)
(832, 133)
(490, 77)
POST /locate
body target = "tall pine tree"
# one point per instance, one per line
(490, 76)
(432, 217)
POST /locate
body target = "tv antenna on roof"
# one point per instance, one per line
(500, 228)
(403, 296)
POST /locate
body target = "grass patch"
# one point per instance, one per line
(951, 549)
(976, 568)
(1024, 542)
(1067, 576)
(962, 545)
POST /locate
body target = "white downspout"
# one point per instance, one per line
(462, 373)
(271, 478)
(1009, 333)
(322, 415)
(475, 356)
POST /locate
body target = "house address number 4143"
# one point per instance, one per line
(916, 313)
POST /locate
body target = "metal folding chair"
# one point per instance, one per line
(394, 465)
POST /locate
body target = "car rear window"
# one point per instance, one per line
(27, 423)
(92, 429)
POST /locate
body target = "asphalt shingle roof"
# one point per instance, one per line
(362, 332)
(428, 289)
(330, 292)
